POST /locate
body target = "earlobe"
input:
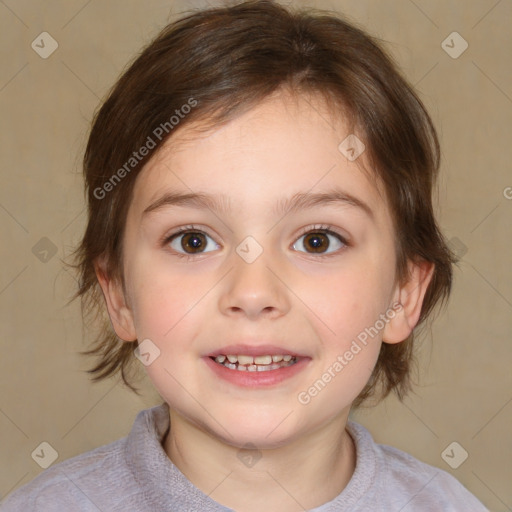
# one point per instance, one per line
(409, 298)
(119, 312)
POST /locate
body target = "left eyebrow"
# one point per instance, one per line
(300, 201)
(303, 201)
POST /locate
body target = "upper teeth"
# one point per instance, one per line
(245, 360)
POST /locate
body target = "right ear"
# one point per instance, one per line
(120, 313)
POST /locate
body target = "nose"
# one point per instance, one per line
(253, 290)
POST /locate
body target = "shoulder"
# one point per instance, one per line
(431, 486)
(81, 482)
(400, 480)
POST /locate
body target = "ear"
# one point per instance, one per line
(407, 302)
(120, 313)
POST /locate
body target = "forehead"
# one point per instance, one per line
(284, 146)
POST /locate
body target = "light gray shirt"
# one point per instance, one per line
(134, 474)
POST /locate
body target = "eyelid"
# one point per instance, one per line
(184, 229)
(331, 230)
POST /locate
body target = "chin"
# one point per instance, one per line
(265, 431)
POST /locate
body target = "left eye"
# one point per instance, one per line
(319, 241)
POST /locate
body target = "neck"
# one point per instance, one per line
(303, 474)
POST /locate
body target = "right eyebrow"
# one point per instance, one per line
(218, 204)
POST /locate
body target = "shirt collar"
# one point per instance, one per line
(165, 487)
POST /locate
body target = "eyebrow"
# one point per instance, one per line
(220, 203)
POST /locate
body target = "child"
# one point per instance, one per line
(261, 230)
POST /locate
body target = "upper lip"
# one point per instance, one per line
(254, 350)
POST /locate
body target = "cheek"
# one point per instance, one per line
(168, 310)
(350, 343)
(165, 303)
(347, 302)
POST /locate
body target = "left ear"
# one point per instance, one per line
(407, 302)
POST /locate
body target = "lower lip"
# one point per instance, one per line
(257, 379)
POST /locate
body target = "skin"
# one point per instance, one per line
(290, 296)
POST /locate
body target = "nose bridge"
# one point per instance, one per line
(252, 288)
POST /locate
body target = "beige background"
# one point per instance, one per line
(465, 389)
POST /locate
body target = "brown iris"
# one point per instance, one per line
(319, 241)
(194, 241)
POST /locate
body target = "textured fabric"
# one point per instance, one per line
(134, 474)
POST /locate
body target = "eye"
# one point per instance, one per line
(191, 241)
(321, 240)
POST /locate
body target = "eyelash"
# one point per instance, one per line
(327, 229)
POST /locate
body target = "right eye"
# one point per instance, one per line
(191, 241)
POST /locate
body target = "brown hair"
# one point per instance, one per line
(215, 64)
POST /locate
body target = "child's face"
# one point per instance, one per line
(290, 297)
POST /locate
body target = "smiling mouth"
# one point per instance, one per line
(254, 364)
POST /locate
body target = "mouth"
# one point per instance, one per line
(247, 363)
(256, 366)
